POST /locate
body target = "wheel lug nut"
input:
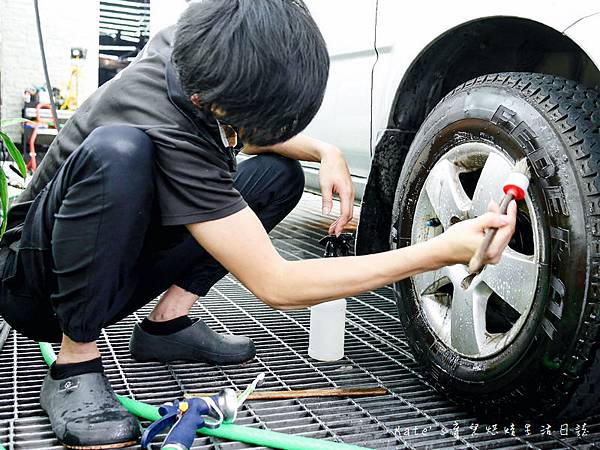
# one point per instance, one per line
(435, 222)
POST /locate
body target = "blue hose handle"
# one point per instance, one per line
(169, 415)
(183, 431)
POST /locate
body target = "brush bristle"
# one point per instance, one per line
(522, 167)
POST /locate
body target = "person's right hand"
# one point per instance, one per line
(461, 241)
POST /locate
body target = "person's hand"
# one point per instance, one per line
(334, 178)
(462, 240)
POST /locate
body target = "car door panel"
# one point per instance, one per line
(348, 27)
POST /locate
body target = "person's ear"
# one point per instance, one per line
(195, 98)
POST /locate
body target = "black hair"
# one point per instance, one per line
(263, 62)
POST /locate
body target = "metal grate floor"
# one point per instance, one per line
(412, 416)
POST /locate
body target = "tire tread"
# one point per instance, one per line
(574, 112)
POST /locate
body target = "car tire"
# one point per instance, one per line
(550, 365)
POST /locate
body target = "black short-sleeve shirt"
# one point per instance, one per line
(194, 166)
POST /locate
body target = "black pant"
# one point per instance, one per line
(93, 251)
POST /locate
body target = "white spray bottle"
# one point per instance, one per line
(328, 320)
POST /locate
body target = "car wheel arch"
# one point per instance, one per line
(430, 77)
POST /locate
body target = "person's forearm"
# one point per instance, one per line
(299, 284)
(300, 147)
(252, 258)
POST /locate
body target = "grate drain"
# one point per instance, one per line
(413, 415)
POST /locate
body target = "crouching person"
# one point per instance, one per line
(140, 195)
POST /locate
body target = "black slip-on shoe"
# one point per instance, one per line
(85, 413)
(197, 343)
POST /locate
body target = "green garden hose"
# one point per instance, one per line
(229, 431)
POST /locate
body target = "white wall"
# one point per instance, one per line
(164, 13)
(65, 24)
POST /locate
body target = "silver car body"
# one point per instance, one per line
(374, 43)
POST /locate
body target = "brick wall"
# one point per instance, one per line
(65, 24)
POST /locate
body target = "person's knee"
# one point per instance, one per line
(125, 156)
(289, 177)
(122, 147)
(272, 185)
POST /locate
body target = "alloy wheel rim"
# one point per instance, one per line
(484, 319)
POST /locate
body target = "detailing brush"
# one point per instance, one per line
(515, 188)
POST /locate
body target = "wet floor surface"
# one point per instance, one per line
(413, 415)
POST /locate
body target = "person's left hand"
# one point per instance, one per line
(334, 178)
